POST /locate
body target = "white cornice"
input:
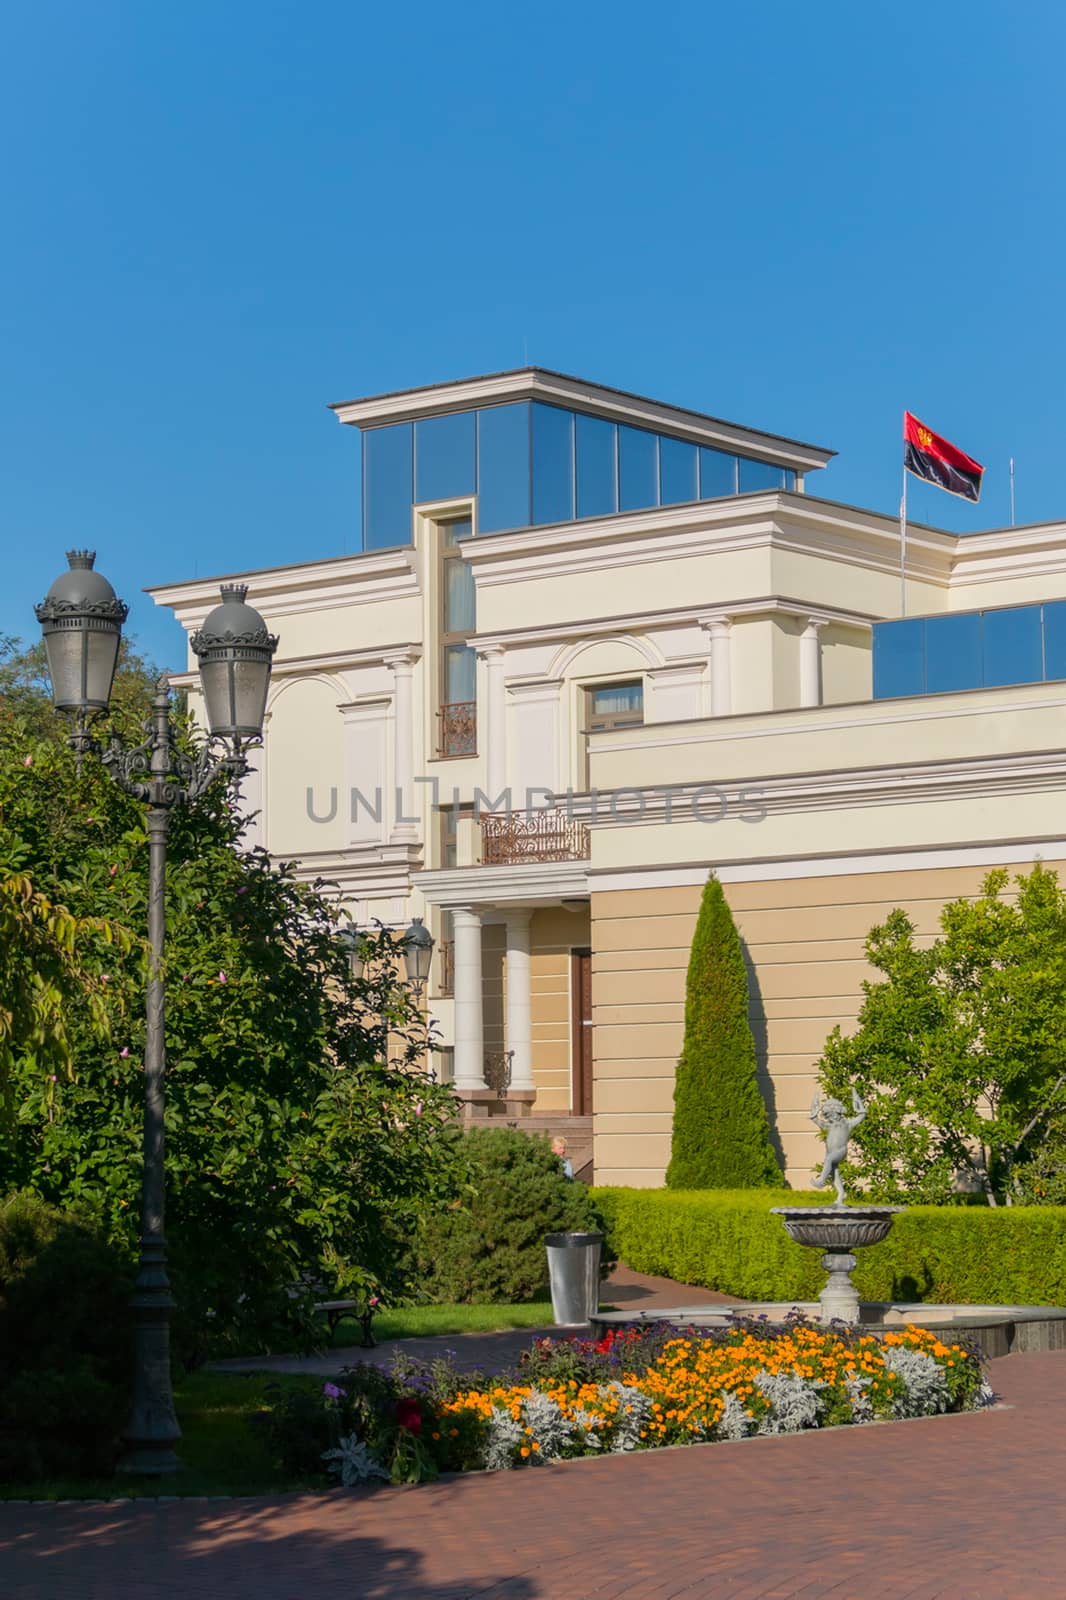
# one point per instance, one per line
(768, 869)
(308, 666)
(558, 388)
(366, 872)
(365, 579)
(802, 721)
(844, 790)
(777, 519)
(1011, 553)
(674, 617)
(530, 882)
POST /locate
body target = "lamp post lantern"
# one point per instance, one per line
(355, 944)
(81, 621)
(418, 945)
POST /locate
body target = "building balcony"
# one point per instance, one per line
(458, 728)
(512, 838)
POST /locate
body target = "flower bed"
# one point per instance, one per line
(633, 1390)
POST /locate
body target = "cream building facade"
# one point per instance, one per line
(598, 647)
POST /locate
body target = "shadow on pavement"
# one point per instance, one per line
(285, 1550)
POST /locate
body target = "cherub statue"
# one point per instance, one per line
(832, 1117)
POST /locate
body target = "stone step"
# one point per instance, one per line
(577, 1131)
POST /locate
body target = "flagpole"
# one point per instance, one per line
(1012, 491)
(903, 544)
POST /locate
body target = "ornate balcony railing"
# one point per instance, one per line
(511, 837)
(458, 728)
(447, 966)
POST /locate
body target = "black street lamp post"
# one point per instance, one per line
(81, 620)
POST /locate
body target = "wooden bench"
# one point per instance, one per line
(336, 1310)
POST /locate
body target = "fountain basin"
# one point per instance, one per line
(837, 1228)
(995, 1330)
(838, 1231)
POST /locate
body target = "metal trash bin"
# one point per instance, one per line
(574, 1276)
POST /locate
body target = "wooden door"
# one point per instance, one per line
(581, 1031)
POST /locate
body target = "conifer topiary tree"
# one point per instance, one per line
(721, 1134)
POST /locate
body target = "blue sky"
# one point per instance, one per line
(220, 217)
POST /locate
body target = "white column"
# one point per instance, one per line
(495, 721)
(401, 664)
(469, 1016)
(519, 1022)
(810, 664)
(721, 664)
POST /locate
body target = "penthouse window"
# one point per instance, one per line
(530, 464)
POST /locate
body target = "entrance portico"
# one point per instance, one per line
(510, 1008)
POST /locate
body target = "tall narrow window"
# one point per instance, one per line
(458, 664)
(611, 705)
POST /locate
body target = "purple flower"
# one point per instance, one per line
(374, 1301)
(331, 1391)
(124, 1052)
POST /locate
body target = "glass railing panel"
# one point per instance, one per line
(899, 661)
(953, 652)
(1012, 646)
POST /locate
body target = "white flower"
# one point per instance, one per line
(796, 1402)
(925, 1379)
(352, 1461)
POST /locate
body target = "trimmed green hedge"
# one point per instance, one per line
(726, 1239)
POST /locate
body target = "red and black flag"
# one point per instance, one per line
(929, 456)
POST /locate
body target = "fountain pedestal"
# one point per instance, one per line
(838, 1231)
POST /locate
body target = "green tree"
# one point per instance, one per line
(721, 1134)
(303, 1131)
(961, 1046)
(43, 979)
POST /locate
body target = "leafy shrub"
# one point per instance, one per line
(721, 1133)
(489, 1248)
(370, 1424)
(65, 1343)
(728, 1240)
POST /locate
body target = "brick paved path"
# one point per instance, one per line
(953, 1508)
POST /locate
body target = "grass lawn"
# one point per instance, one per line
(423, 1322)
(220, 1453)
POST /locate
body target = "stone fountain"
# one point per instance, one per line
(837, 1229)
